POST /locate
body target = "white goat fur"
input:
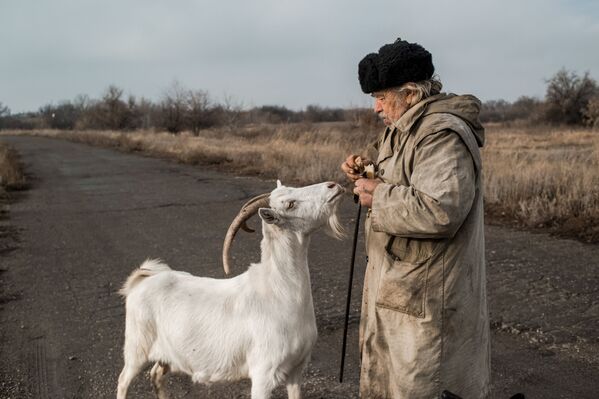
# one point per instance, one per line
(258, 325)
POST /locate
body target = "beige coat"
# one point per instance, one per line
(425, 325)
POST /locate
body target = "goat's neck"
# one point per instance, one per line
(284, 264)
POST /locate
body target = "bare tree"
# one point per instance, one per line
(4, 112)
(568, 95)
(146, 112)
(82, 102)
(199, 112)
(116, 112)
(231, 111)
(173, 110)
(110, 112)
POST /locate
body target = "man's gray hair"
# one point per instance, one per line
(420, 90)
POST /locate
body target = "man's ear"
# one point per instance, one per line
(279, 184)
(409, 97)
(269, 216)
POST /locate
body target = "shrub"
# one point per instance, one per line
(591, 113)
(567, 96)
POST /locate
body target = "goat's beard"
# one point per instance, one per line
(334, 228)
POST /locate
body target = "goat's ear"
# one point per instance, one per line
(279, 184)
(269, 216)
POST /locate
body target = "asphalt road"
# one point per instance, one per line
(92, 215)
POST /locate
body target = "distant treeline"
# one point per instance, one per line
(570, 99)
(179, 109)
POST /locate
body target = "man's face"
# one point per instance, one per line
(390, 105)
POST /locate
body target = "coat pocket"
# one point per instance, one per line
(404, 276)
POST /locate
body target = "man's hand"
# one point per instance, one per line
(353, 167)
(364, 188)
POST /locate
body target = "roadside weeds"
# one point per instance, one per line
(12, 176)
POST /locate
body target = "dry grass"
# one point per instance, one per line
(533, 177)
(544, 178)
(11, 170)
(297, 153)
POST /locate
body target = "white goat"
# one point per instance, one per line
(260, 324)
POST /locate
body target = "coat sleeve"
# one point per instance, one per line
(443, 186)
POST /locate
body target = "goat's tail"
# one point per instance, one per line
(147, 269)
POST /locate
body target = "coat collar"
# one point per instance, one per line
(412, 115)
(385, 144)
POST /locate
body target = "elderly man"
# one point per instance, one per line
(425, 325)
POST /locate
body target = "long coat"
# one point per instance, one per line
(425, 324)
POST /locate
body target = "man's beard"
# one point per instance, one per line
(385, 119)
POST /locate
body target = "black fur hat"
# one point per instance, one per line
(395, 64)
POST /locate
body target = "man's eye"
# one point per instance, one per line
(290, 204)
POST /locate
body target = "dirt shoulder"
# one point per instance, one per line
(92, 215)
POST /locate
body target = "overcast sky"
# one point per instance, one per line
(290, 53)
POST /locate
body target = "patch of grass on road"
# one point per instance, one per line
(11, 169)
(12, 177)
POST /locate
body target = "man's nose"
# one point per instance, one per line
(377, 106)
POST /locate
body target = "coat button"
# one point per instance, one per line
(382, 172)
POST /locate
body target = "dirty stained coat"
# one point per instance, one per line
(425, 325)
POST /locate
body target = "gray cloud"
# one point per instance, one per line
(283, 52)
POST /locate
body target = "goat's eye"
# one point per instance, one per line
(290, 204)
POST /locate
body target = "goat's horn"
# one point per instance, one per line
(248, 210)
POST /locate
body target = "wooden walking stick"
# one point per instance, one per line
(349, 287)
(367, 171)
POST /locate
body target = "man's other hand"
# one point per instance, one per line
(364, 188)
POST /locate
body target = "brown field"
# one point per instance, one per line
(544, 178)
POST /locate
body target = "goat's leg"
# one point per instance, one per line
(158, 371)
(262, 387)
(294, 382)
(134, 355)
(130, 370)
(294, 388)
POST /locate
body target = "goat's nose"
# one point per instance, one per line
(331, 184)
